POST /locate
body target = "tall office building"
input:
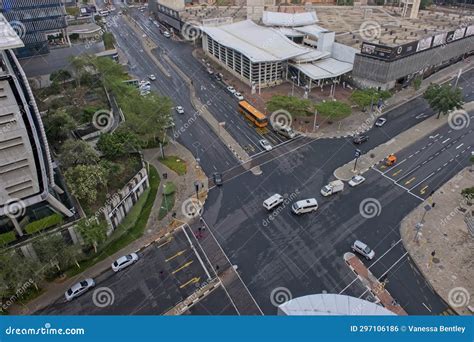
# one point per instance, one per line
(35, 21)
(27, 180)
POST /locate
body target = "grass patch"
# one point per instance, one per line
(174, 163)
(333, 110)
(169, 188)
(7, 237)
(109, 40)
(46, 222)
(131, 228)
(167, 205)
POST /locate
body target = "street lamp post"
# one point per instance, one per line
(418, 227)
(427, 208)
(293, 78)
(196, 187)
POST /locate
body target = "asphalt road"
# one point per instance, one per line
(167, 272)
(304, 254)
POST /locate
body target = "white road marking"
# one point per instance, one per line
(459, 146)
(445, 140)
(431, 174)
(427, 308)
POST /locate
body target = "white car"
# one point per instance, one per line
(380, 122)
(144, 83)
(231, 90)
(238, 96)
(363, 249)
(78, 289)
(265, 144)
(356, 180)
(152, 77)
(145, 92)
(167, 34)
(180, 110)
(124, 262)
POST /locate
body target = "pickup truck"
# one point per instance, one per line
(332, 188)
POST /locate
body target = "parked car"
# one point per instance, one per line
(180, 110)
(363, 249)
(166, 34)
(231, 89)
(79, 288)
(304, 206)
(210, 72)
(360, 138)
(152, 77)
(265, 144)
(356, 180)
(238, 96)
(217, 177)
(380, 122)
(144, 83)
(219, 76)
(273, 201)
(124, 262)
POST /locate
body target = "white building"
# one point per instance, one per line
(289, 47)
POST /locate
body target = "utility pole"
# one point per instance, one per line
(315, 118)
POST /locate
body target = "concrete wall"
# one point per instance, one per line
(369, 71)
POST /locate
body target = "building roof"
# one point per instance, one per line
(289, 32)
(324, 68)
(331, 304)
(311, 56)
(258, 43)
(87, 28)
(289, 19)
(312, 30)
(9, 38)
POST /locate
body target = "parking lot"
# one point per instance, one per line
(167, 272)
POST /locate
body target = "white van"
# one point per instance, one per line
(304, 206)
(273, 201)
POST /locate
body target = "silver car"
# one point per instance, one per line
(78, 289)
(361, 248)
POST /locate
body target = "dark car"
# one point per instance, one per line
(360, 138)
(217, 177)
(218, 76)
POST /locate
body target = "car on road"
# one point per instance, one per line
(273, 201)
(356, 180)
(79, 288)
(219, 77)
(239, 96)
(217, 177)
(304, 206)
(231, 90)
(144, 35)
(124, 262)
(380, 122)
(166, 34)
(152, 77)
(210, 72)
(144, 83)
(180, 110)
(265, 144)
(361, 248)
(360, 138)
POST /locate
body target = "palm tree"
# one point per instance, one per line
(443, 98)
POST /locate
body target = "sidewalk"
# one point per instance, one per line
(444, 232)
(360, 122)
(153, 231)
(401, 141)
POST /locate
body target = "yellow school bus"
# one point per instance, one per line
(259, 119)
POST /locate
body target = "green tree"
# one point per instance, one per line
(443, 98)
(77, 152)
(84, 181)
(58, 125)
(93, 232)
(54, 253)
(468, 193)
(117, 144)
(60, 76)
(424, 4)
(294, 105)
(365, 97)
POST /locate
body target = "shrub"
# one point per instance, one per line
(44, 223)
(7, 237)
